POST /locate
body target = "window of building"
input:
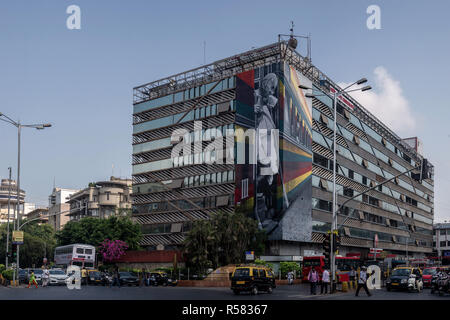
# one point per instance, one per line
(107, 195)
(244, 189)
(351, 174)
(348, 192)
(320, 160)
(364, 180)
(442, 243)
(442, 232)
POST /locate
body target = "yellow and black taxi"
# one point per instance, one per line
(252, 279)
(400, 276)
(94, 277)
(157, 278)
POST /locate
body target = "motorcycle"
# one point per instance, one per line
(415, 283)
(107, 279)
(443, 284)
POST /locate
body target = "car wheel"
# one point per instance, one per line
(270, 290)
(165, 284)
(254, 291)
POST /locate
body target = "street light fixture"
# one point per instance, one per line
(19, 127)
(336, 95)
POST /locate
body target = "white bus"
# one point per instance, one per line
(82, 255)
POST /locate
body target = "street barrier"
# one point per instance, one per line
(345, 286)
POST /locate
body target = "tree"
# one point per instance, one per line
(94, 231)
(39, 243)
(112, 250)
(222, 240)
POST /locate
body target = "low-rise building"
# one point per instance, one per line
(441, 239)
(102, 199)
(41, 214)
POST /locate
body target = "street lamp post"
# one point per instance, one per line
(7, 224)
(19, 127)
(336, 95)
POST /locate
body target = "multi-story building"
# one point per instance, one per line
(5, 187)
(101, 199)
(288, 191)
(40, 214)
(59, 208)
(441, 240)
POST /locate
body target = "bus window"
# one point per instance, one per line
(77, 263)
(80, 250)
(88, 251)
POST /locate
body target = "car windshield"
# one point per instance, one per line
(429, 271)
(55, 272)
(39, 271)
(126, 274)
(242, 272)
(401, 272)
(94, 273)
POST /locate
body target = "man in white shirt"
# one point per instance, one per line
(362, 281)
(325, 281)
(45, 277)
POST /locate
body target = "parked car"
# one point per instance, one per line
(95, 277)
(57, 277)
(159, 278)
(427, 276)
(252, 279)
(400, 276)
(128, 278)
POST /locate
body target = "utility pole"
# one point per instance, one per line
(7, 225)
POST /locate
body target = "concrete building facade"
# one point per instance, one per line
(5, 187)
(59, 208)
(289, 194)
(101, 199)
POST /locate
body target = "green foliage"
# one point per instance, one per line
(263, 263)
(287, 266)
(39, 242)
(8, 274)
(222, 240)
(93, 231)
(2, 268)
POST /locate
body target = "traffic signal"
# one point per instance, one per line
(336, 242)
(326, 245)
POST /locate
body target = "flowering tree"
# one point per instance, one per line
(112, 250)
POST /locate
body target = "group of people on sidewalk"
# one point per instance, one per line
(324, 280)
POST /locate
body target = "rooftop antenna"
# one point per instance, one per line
(293, 42)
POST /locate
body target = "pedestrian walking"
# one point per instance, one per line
(142, 278)
(362, 281)
(313, 278)
(290, 277)
(84, 276)
(116, 278)
(352, 274)
(45, 277)
(325, 281)
(32, 280)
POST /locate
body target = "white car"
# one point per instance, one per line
(57, 277)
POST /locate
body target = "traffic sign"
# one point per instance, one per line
(375, 250)
(17, 237)
(249, 255)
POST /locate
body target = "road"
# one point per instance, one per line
(295, 292)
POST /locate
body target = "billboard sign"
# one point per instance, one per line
(17, 237)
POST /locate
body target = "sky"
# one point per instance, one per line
(81, 81)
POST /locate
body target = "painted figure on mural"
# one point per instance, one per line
(266, 106)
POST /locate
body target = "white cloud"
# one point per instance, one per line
(387, 103)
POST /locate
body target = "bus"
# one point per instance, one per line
(82, 255)
(343, 264)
